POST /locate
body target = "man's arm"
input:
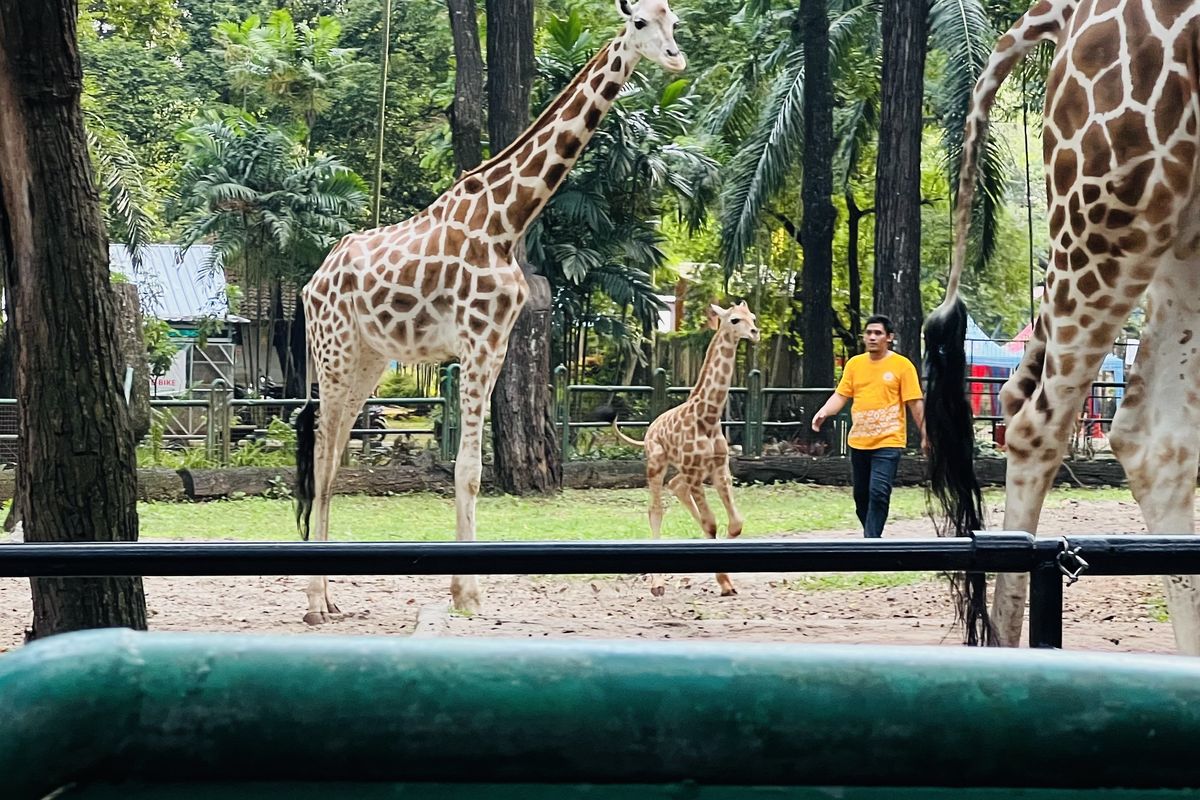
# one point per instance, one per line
(833, 405)
(917, 409)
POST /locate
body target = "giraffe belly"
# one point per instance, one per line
(416, 337)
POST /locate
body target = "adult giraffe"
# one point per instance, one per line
(1121, 139)
(443, 284)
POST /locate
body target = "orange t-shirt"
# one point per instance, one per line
(879, 390)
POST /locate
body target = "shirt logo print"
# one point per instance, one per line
(876, 422)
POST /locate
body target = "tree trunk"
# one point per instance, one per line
(8, 357)
(466, 113)
(854, 273)
(816, 229)
(898, 173)
(524, 438)
(77, 448)
(133, 354)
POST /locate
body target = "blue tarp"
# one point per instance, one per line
(983, 351)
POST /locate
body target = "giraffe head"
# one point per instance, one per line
(737, 321)
(650, 30)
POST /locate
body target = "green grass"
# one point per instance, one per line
(1157, 606)
(573, 515)
(846, 581)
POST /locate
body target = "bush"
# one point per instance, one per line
(398, 383)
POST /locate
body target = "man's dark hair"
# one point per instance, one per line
(882, 320)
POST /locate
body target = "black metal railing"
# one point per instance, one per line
(1048, 560)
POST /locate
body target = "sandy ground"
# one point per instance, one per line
(1114, 614)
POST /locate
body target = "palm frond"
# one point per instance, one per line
(764, 162)
(962, 30)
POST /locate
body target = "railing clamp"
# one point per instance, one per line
(1070, 562)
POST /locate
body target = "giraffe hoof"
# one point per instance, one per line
(467, 606)
(730, 592)
(315, 618)
(658, 591)
(333, 610)
(733, 534)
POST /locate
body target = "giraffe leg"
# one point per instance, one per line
(341, 399)
(683, 492)
(708, 522)
(1010, 590)
(477, 381)
(1155, 430)
(723, 482)
(1066, 357)
(656, 470)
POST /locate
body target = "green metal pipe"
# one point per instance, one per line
(112, 706)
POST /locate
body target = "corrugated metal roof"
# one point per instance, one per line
(176, 286)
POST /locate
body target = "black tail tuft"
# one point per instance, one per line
(306, 441)
(952, 482)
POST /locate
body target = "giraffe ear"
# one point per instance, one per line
(715, 314)
(624, 8)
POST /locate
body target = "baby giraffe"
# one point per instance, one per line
(689, 437)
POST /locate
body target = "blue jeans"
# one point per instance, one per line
(873, 472)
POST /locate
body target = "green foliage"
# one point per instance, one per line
(598, 241)
(154, 452)
(160, 348)
(307, 72)
(963, 35)
(398, 383)
(284, 69)
(264, 204)
(276, 449)
(420, 69)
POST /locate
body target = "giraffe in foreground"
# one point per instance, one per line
(444, 284)
(689, 437)
(1121, 137)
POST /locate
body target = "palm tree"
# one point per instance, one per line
(268, 208)
(285, 63)
(124, 196)
(597, 241)
(769, 144)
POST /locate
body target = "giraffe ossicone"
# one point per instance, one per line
(443, 285)
(689, 438)
(1120, 146)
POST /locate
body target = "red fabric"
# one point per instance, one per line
(978, 390)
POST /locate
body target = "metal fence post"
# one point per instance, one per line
(216, 429)
(226, 393)
(1045, 605)
(562, 396)
(843, 422)
(754, 414)
(449, 442)
(658, 393)
(363, 422)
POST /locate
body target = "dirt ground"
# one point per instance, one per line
(1115, 614)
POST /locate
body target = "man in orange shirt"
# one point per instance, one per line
(881, 383)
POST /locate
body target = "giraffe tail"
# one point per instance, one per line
(948, 419)
(950, 430)
(1042, 23)
(306, 441)
(608, 413)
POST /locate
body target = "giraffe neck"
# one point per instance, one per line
(522, 177)
(712, 387)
